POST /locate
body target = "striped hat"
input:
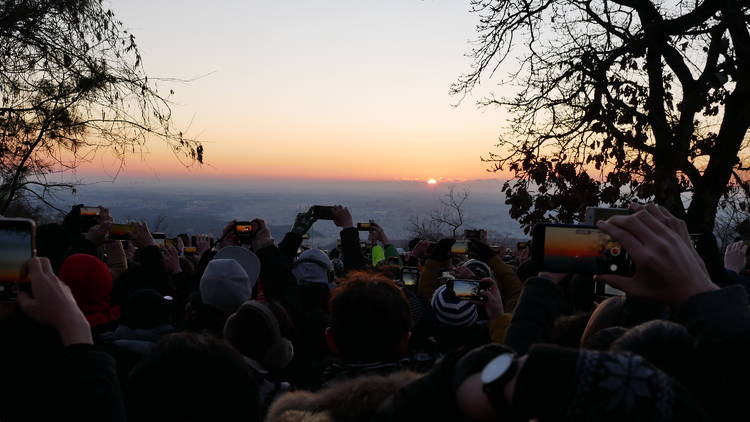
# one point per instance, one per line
(452, 311)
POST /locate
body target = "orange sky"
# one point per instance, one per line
(297, 89)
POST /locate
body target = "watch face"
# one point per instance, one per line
(496, 368)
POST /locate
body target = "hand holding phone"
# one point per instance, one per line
(245, 231)
(120, 231)
(472, 290)
(323, 212)
(668, 268)
(409, 276)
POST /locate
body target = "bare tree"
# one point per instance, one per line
(72, 84)
(617, 100)
(443, 222)
(159, 223)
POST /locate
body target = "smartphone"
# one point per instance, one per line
(160, 239)
(594, 214)
(473, 234)
(522, 245)
(89, 217)
(120, 231)
(461, 247)
(16, 247)
(245, 231)
(90, 211)
(190, 250)
(409, 276)
(569, 249)
(364, 227)
(322, 212)
(170, 242)
(467, 289)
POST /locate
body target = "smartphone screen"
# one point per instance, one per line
(468, 289)
(16, 247)
(578, 249)
(90, 211)
(160, 239)
(322, 212)
(243, 228)
(409, 276)
(120, 231)
(364, 227)
(190, 250)
(461, 247)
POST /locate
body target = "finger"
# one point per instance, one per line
(46, 266)
(630, 242)
(25, 302)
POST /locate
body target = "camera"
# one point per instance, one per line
(323, 212)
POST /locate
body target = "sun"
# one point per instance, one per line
(432, 182)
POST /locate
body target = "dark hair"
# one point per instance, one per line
(414, 242)
(193, 377)
(146, 309)
(568, 329)
(369, 317)
(665, 344)
(52, 243)
(603, 339)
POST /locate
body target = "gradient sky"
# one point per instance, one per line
(314, 89)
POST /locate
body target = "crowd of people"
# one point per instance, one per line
(244, 328)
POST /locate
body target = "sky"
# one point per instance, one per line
(326, 89)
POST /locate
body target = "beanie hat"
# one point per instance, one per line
(225, 285)
(479, 268)
(90, 282)
(451, 311)
(255, 332)
(246, 258)
(312, 266)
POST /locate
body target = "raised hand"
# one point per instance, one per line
(141, 235)
(53, 304)
(735, 256)
(304, 222)
(172, 260)
(378, 233)
(667, 267)
(262, 236)
(341, 217)
(202, 243)
(97, 234)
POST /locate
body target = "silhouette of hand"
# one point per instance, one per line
(141, 235)
(53, 304)
(667, 267)
(262, 236)
(341, 217)
(172, 260)
(202, 243)
(442, 251)
(304, 222)
(480, 250)
(735, 256)
(97, 234)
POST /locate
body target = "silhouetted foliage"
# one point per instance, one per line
(72, 83)
(618, 100)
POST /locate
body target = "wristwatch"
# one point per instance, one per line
(494, 377)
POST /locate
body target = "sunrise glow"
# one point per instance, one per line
(432, 182)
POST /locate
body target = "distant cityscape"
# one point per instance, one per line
(176, 208)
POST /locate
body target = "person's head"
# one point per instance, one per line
(192, 377)
(255, 332)
(369, 319)
(358, 399)
(52, 242)
(665, 344)
(90, 281)
(313, 266)
(225, 285)
(146, 309)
